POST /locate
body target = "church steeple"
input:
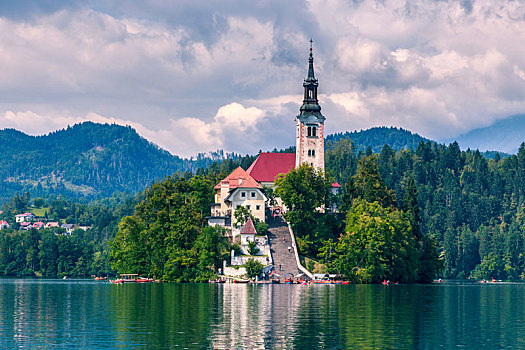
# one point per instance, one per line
(310, 103)
(310, 123)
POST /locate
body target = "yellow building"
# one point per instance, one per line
(237, 189)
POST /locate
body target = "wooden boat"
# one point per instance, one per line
(216, 281)
(288, 280)
(101, 278)
(240, 281)
(131, 278)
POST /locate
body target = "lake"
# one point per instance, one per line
(91, 315)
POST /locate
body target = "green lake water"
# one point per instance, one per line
(90, 315)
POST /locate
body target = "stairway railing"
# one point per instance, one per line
(294, 246)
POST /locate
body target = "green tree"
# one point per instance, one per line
(212, 248)
(368, 184)
(304, 191)
(241, 215)
(253, 268)
(252, 248)
(129, 249)
(377, 245)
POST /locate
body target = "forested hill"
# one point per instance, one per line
(87, 159)
(377, 137)
(96, 160)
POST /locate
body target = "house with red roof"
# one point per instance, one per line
(248, 232)
(52, 224)
(38, 225)
(3, 224)
(25, 225)
(237, 189)
(24, 217)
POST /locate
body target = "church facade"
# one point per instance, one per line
(268, 166)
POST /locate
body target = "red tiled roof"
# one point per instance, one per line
(239, 178)
(248, 228)
(268, 166)
(335, 184)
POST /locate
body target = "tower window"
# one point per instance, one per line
(310, 94)
(313, 152)
(309, 131)
(314, 131)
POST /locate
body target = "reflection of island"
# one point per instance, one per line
(259, 316)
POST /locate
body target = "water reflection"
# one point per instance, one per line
(90, 315)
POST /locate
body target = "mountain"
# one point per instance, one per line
(377, 137)
(87, 159)
(504, 136)
(93, 161)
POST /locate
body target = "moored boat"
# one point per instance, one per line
(131, 278)
(240, 281)
(218, 280)
(288, 278)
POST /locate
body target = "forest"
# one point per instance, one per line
(90, 161)
(471, 206)
(462, 206)
(51, 252)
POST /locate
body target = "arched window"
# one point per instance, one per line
(309, 153)
(310, 94)
(314, 131)
(309, 131)
(313, 152)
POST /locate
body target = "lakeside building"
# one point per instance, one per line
(246, 188)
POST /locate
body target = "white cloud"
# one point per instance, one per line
(193, 77)
(184, 137)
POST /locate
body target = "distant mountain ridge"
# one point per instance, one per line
(505, 136)
(377, 137)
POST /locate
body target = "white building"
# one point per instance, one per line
(24, 217)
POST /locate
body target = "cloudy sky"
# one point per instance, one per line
(194, 76)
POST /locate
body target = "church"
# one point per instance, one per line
(246, 188)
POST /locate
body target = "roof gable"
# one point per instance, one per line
(248, 228)
(268, 166)
(238, 178)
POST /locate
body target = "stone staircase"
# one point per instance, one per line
(280, 241)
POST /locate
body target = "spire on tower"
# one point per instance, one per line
(311, 76)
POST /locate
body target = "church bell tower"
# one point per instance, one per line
(310, 123)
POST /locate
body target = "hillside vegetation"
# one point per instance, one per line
(88, 159)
